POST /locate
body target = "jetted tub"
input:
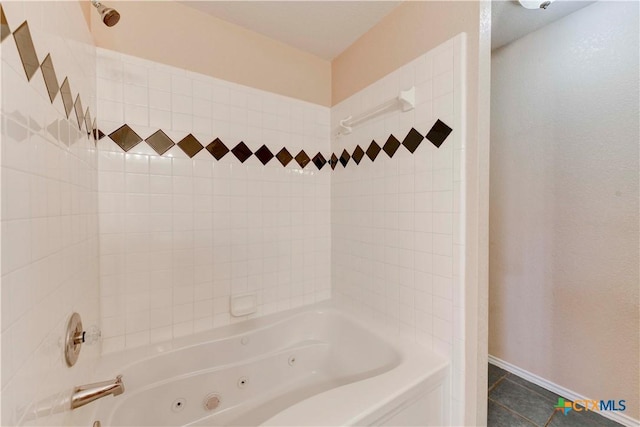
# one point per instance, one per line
(314, 366)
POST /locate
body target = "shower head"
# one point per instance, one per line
(535, 4)
(109, 16)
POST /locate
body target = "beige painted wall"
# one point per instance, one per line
(180, 36)
(410, 30)
(85, 6)
(564, 203)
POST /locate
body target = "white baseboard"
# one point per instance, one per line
(618, 417)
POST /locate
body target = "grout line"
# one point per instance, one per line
(513, 412)
(549, 420)
(530, 389)
(497, 382)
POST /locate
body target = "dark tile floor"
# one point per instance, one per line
(515, 402)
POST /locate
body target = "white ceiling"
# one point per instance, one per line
(322, 28)
(510, 21)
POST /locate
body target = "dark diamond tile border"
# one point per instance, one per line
(284, 157)
(79, 114)
(67, 98)
(125, 137)
(357, 155)
(190, 145)
(373, 150)
(50, 79)
(438, 133)
(30, 63)
(302, 159)
(344, 158)
(264, 154)
(242, 152)
(94, 130)
(412, 141)
(87, 121)
(217, 149)
(333, 161)
(4, 25)
(26, 49)
(319, 161)
(160, 142)
(391, 146)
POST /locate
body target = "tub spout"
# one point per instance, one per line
(88, 393)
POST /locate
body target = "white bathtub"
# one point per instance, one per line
(314, 366)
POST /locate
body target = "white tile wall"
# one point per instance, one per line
(171, 238)
(49, 222)
(179, 236)
(397, 224)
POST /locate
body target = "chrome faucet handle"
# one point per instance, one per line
(76, 336)
(93, 334)
(73, 339)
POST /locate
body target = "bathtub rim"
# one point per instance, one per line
(120, 360)
(419, 368)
